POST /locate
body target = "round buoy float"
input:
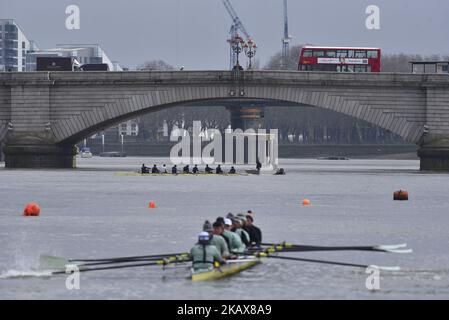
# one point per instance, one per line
(306, 202)
(32, 210)
(152, 205)
(401, 195)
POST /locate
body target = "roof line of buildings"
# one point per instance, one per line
(18, 53)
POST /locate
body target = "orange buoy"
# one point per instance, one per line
(32, 210)
(401, 195)
(152, 205)
(306, 202)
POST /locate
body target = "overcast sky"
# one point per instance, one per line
(193, 33)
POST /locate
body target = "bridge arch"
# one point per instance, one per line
(349, 102)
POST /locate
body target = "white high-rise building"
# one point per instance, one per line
(14, 46)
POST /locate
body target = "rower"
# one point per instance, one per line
(195, 169)
(174, 169)
(208, 169)
(232, 171)
(235, 242)
(204, 254)
(219, 170)
(216, 239)
(144, 169)
(258, 165)
(237, 224)
(186, 169)
(155, 169)
(255, 234)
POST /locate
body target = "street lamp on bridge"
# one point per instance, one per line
(237, 43)
(250, 49)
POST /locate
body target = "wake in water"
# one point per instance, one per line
(15, 274)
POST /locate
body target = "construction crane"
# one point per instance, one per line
(287, 38)
(237, 26)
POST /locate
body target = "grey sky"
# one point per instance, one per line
(193, 33)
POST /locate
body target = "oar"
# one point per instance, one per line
(53, 262)
(287, 247)
(364, 266)
(136, 265)
(130, 257)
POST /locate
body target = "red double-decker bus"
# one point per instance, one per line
(339, 59)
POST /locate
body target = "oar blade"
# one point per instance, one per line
(386, 268)
(52, 262)
(391, 246)
(400, 251)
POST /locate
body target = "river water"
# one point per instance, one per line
(92, 212)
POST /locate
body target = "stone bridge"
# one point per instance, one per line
(43, 114)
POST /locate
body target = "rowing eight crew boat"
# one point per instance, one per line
(231, 268)
(138, 174)
(60, 265)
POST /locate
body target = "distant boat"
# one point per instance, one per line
(86, 153)
(113, 154)
(333, 158)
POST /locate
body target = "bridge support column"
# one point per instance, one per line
(434, 155)
(245, 118)
(38, 154)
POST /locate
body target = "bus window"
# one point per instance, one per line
(342, 54)
(350, 68)
(360, 69)
(360, 54)
(373, 54)
(368, 68)
(330, 54)
(307, 53)
(318, 53)
(350, 53)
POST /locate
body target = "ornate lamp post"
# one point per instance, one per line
(250, 48)
(237, 46)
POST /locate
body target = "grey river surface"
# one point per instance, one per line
(92, 212)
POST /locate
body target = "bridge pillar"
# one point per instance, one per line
(33, 152)
(434, 154)
(245, 118)
(434, 144)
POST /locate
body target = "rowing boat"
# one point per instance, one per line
(231, 268)
(138, 174)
